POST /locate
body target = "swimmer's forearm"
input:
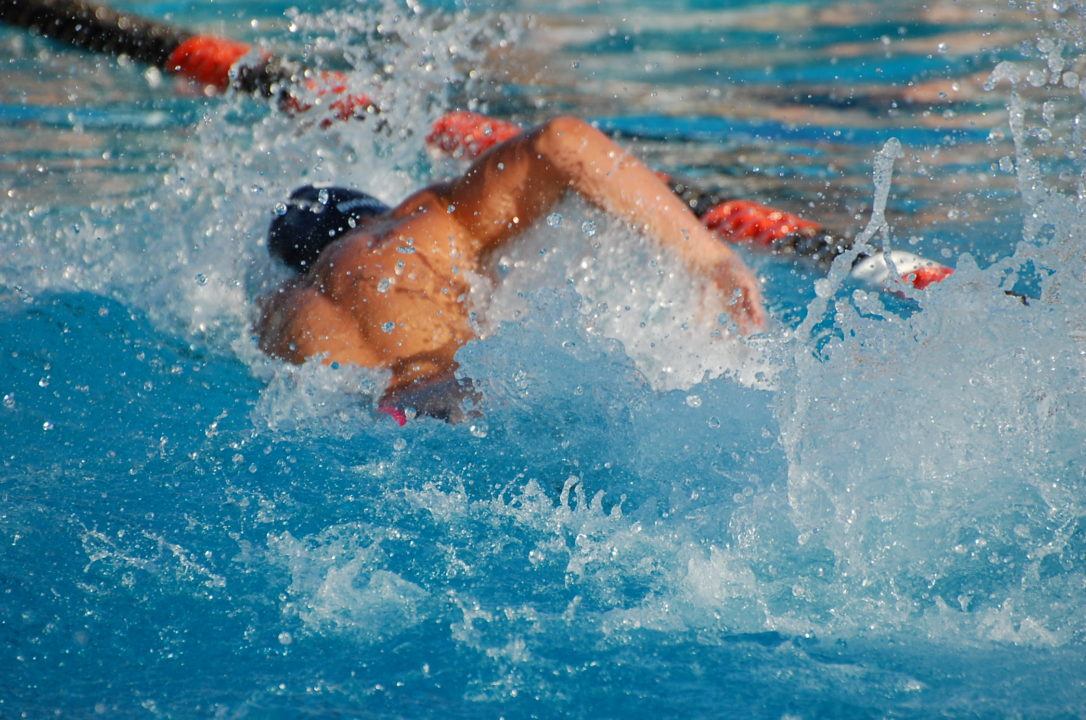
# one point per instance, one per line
(511, 186)
(609, 177)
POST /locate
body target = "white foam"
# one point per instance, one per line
(317, 397)
(339, 583)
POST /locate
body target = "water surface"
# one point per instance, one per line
(873, 509)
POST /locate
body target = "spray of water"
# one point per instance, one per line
(935, 456)
(870, 471)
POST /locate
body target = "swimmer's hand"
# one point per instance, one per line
(740, 292)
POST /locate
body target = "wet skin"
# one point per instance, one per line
(393, 293)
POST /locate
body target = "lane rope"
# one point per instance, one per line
(740, 222)
(216, 62)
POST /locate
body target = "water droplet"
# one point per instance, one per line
(479, 430)
(285, 638)
(280, 209)
(201, 279)
(47, 426)
(1006, 164)
(43, 382)
(588, 227)
(941, 47)
(322, 196)
(554, 220)
(399, 444)
(384, 285)
(9, 401)
(388, 326)
(713, 423)
(693, 401)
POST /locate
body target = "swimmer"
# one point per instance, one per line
(387, 288)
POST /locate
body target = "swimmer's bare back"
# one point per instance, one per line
(393, 293)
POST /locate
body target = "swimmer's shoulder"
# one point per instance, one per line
(298, 321)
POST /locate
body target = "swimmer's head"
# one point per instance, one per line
(314, 218)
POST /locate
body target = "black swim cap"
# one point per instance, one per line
(313, 218)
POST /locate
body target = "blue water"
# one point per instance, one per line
(874, 509)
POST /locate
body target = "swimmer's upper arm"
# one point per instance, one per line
(506, 189)
(512, 185)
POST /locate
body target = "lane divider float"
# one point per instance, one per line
(223, 64)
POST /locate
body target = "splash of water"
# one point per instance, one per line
(926, 472)
(339, 584)
(208, 217)
(628, 290)
(936, 456)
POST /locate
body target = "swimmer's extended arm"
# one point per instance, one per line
(511, 186)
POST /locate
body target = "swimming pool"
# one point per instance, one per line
(874, 509)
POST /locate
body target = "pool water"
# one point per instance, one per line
(875, 508)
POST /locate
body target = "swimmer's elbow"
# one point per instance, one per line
(566, 126)
(564, 134)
